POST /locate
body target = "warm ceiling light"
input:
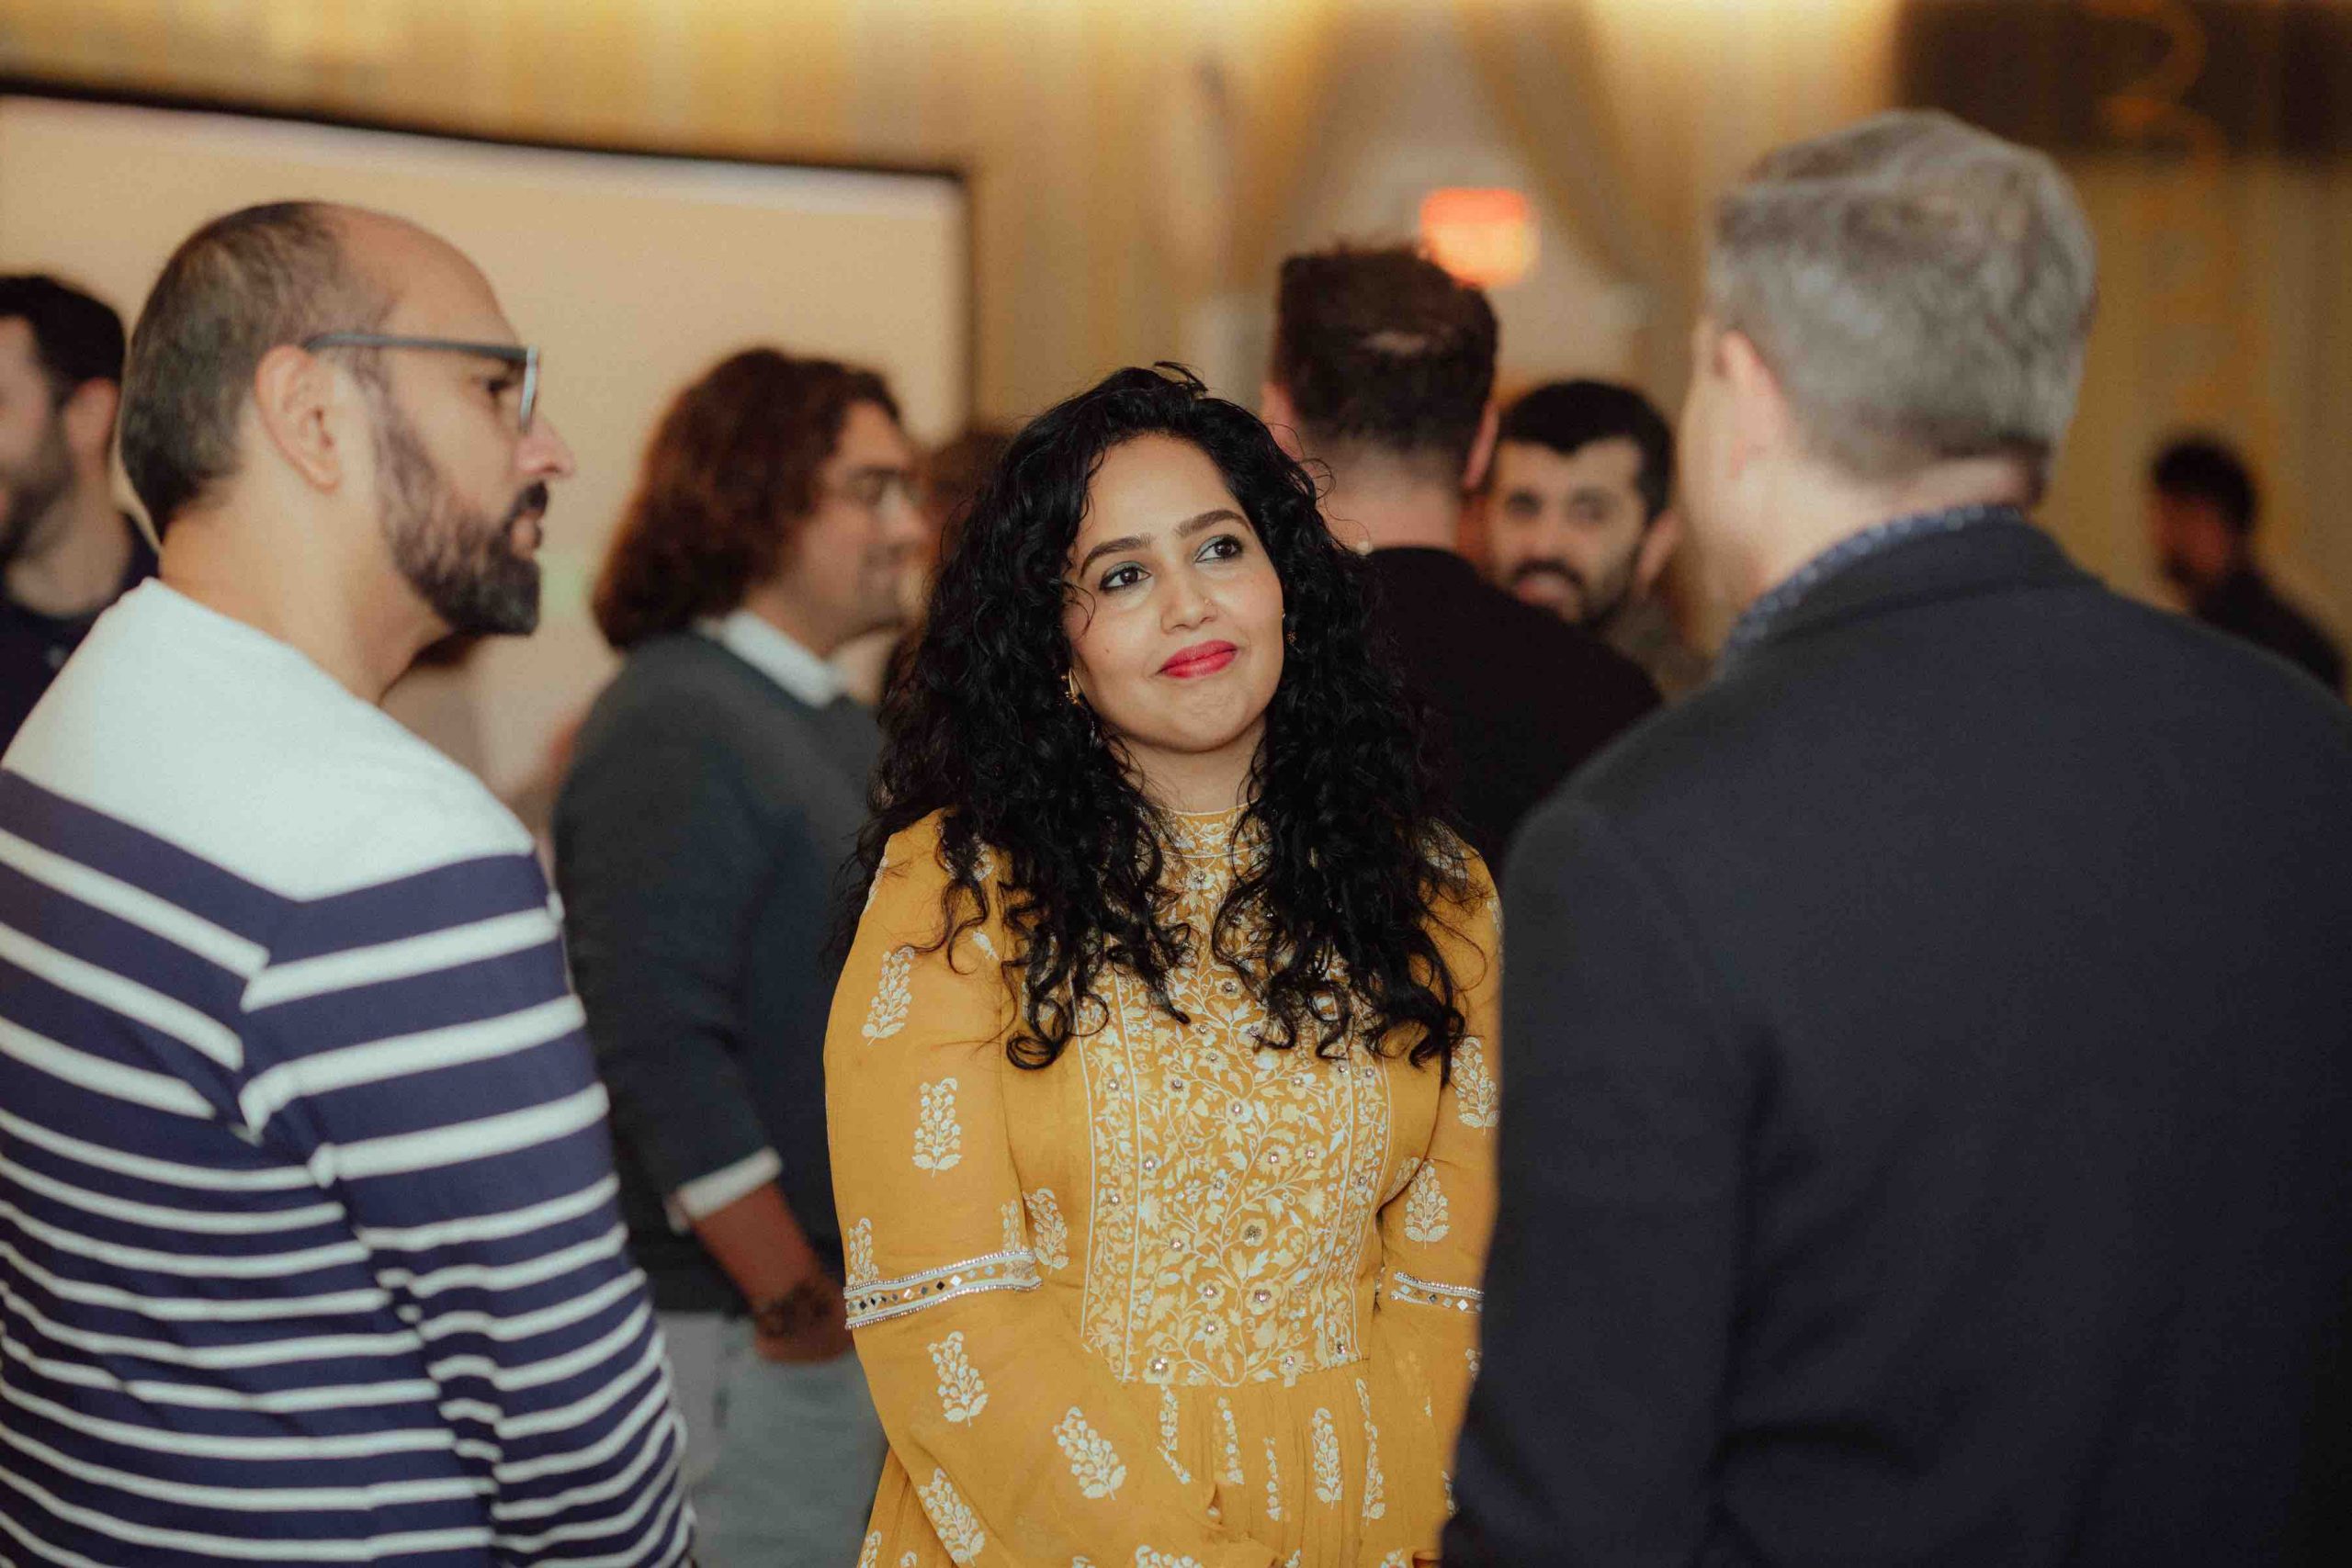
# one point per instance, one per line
(1484, 236)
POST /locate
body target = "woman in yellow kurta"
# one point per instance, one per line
(1182, 1272)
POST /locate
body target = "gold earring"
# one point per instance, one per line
(1069, 680)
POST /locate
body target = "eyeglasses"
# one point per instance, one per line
(871, 490)
(506, 352)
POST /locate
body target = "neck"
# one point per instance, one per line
(1814, 512)
(776, 604)
(284, 584)
(1196, 782)
(1392, 504)
(75, 555)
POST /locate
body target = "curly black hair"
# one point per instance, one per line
(1331, 926)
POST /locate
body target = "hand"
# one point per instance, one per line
(819, 1325)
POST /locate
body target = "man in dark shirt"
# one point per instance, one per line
(2203, 506)
(1383, 373)
(66, 550)
(714, 796)
(1579, 518)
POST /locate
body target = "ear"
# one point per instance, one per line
(89, 414)
(1481, 447)
(1657, 548)
(1281, 415)
(306, 413)
(1761, 422)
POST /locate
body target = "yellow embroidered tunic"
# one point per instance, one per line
(1174, 1302)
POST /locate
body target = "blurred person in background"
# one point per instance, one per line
(1382, 375)
(1162, 1071)
(715, 794)
(310, 1244)
(1936, 1151)
(2203, 507)
(951, 477)
(1580, 517)
(67, 551)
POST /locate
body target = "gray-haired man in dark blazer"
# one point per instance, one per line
(1929, 1136)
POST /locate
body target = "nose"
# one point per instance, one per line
(543, 454)
(903, 522)
(1186, 602)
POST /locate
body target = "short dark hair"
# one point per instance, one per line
(731, 472)
(1385, 349)
(2207, 469)
(236, 288)
(1567, 416)
(76, 338)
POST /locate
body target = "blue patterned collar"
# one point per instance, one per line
(1761, 619)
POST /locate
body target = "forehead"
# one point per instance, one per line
(1613, 463)
(1152, 484)
(870, 438)
(435, 290)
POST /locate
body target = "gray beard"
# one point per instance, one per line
(458, 561)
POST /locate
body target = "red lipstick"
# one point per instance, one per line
(1201, 659)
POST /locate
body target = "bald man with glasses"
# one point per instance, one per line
(309, 1243)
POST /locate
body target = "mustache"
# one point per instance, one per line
(1549, 567)
(532, 501)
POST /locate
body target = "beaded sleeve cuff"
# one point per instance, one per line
(878, 1301)
(1403, 1287)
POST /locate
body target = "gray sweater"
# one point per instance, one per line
(702, 838)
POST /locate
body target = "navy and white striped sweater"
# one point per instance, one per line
(308, 1244)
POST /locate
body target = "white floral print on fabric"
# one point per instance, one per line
(1048, 1232)
(1094, 1465)
(1375, 1486)
(1476, 1099)
(1169, 1418)
(939, 1139)
(1426, 1217)
(857, 1248)
(1273, 1483)
(1233, 1475)
(887, 1014)
(1327, 1458)
(958, 1527)
(870, 1554)
(1146, 1558)
(1196, 1134)
(963, 1392)
(1016, 1236)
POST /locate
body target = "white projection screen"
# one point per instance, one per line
(632, 272)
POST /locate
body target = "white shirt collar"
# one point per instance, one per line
(776, 655)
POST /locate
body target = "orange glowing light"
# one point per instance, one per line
(1484, 236)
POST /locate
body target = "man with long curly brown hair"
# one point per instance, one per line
(717, 788)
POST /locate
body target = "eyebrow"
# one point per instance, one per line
(1185, 530)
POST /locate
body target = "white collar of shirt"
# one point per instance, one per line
(774, 655)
